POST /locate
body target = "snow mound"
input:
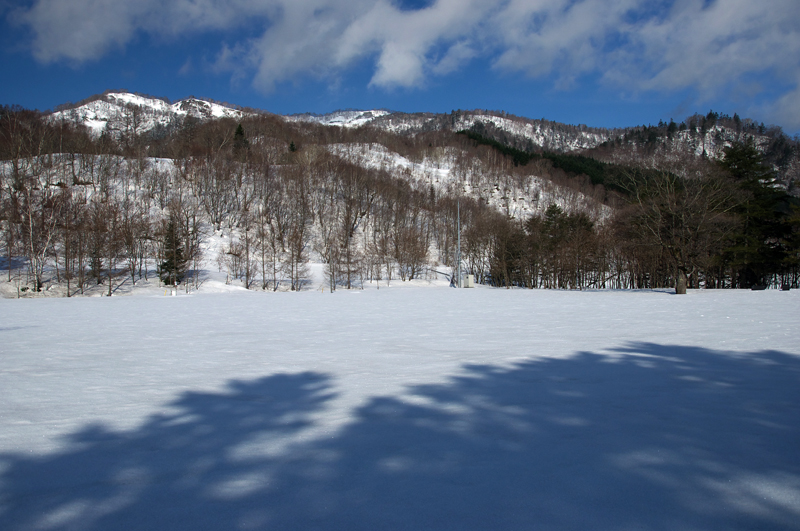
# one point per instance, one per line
(216, 286)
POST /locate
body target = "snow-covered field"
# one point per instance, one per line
(402, 408)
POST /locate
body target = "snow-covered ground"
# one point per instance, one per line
(422, 408)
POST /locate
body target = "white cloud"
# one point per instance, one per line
(710, 47)
(187, 68)
(559, 36)
(456, 56)
(67, 30)
(634, 45)
(786, 110)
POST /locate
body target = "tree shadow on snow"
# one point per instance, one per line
(644, 437)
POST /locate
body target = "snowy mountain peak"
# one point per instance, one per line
(117, 112)
(205, 109)
(126, 98)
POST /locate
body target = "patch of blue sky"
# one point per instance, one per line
(412, 5)
(612, 92)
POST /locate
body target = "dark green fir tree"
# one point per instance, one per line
(760, 249)
(173, 268)
(240, 142)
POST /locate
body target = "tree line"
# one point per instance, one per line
(79, 210)
(723, 224)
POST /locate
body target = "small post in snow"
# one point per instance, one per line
(458, 254)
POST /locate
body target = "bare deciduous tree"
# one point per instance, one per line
(688, 218)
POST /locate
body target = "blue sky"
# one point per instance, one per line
(606, 63)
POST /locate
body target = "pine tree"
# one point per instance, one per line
(173, 268)
(240, 142)
(761, 246)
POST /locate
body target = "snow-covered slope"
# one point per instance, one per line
(348, 118)
(446, 171)
(543, 134)
(713, 142)
(550, 136)
(118, 112)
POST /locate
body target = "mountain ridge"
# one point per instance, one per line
(121, 112)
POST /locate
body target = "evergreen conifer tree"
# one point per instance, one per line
(760, 248)
(173, 268)
(240, 142)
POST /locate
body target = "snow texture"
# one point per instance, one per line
(402, 408)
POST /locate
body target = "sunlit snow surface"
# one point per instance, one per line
(421, 408)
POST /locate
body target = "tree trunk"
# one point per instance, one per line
(680, 283)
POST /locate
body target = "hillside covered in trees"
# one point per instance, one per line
(127, 188)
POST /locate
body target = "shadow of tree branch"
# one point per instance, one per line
(642, 436)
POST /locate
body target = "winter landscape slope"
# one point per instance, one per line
(113, 109)
(116, 113)
(119, 113)
(348, 118)
(706, 136)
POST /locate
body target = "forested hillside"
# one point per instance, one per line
(128, 188)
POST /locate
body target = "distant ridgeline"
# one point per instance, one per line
(698, 136)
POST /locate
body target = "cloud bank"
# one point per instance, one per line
(713, 47)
